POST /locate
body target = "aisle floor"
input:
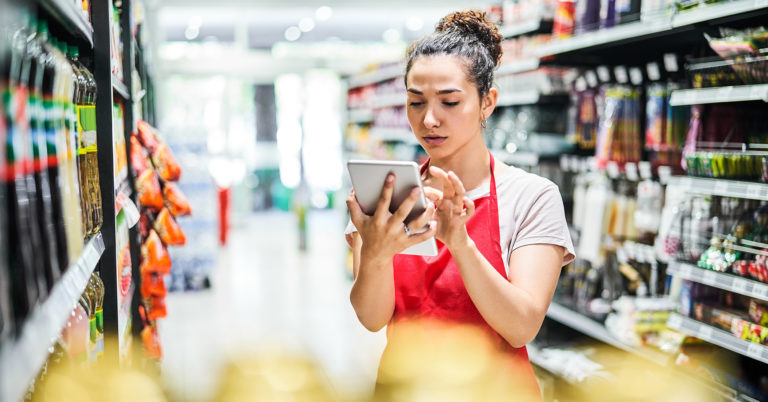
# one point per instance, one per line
(266, 295)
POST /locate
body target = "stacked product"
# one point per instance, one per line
(161, 202)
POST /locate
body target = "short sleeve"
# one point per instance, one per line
(543, 222)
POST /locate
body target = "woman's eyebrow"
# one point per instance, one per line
(440, 92)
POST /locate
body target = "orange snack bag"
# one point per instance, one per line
(157, 308)
(154, 256)
(152, 285)
(170, 231)
(149, 191)
(139, 160)
(147, 136)
(176, 201)
(165, 163)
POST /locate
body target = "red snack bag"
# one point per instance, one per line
(157, 308)
(139, 160)
(176, 201)
(165, 163)
(147, 136)
(153, 285)
(149, 191)
(154, 256)
(145, 225)
(170, 231)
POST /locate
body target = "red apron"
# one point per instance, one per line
(432, 287)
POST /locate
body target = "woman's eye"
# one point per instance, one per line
(450, 103)
(415, 103)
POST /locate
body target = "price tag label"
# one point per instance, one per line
(754, 191)
(686, 271)
(762, 291)
(705, 332)
(621, 74)
(670, 62)
(654, 74)
(721, 187)
(758, 91)
(604, 73)
(709, 278)
(754, 350)
(675, 321)
(591, 79)
(636, 75)
(739, 286)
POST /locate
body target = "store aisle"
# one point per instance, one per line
(266, 295)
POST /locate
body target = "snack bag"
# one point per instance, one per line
(170, 231)
(139, 160)
(165, 163)
(151, 340)
(147, 136)
(153, 285)
(176, 201)
(154, 256)
(148, 188)
(157, 308)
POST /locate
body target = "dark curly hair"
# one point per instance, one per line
(469, 35)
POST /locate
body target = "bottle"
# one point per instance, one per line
(44, 75)
(23, 279)
(66, 155)
(6, 317)
(81, 85)
(90, 291)
(100, 291)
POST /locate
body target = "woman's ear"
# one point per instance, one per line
(488, 103)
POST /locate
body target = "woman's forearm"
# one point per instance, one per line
(373, 291)
(508, 309)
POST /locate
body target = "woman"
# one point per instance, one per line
(502, 234)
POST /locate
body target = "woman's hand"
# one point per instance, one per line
(453, 210)
(384, 234)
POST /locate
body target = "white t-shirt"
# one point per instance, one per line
(530, 212)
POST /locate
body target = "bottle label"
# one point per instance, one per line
(92, 345)
(86, 118)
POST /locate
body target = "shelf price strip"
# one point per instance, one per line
(720, 280)
(718, 337)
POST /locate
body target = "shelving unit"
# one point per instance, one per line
(384, 74)
(393, 134)
(517, 66)
(723, 188)
(529, 98)
(389, 100)
(21, 360)
(719, 280)
(121, 89)
(718, 337)
(598, 331)
(361, 115)
(533, 26)
(70, 17)
(652, 30)
(742, 93)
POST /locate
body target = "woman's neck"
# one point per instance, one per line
(470, 162)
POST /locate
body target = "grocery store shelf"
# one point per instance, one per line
(530, 26)
(393, 134)
(720, 280)
(360, 115)
(379, 75)
(517, 66)
(643, 30)
(70, 17)
(741, 93)
(723, 188)
(20, 361)
(598, 331)
(718, 337)
(140, 96)
(529, 98)
(120, 89)
(517, 158)
(389, 100)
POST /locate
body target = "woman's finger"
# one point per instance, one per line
(470, 206)
(385, 198)
(442, 178)
(458, 197)
(433, 194)
(407, 205)
(355, 212)
(423, 219)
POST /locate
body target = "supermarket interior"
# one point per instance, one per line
(174, 185)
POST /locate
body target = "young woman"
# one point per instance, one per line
(502, 234)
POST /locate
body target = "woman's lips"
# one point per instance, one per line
(434, 140)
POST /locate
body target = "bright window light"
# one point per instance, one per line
(306, 24)
(292, 34)
(323, 13)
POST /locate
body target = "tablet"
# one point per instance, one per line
(368, 178)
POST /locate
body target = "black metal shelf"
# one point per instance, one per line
(20, 361)
(69, 17)
(530, 27)
(120, 89)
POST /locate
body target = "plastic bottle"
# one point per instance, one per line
(81, 94)
(44, 74)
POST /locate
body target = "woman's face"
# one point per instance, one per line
(443, 106)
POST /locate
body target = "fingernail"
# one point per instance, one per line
(415, 191)
(390, 178)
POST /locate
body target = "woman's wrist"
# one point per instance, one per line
(375, 257)
(464, 243)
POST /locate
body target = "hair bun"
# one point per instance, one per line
(474, 23)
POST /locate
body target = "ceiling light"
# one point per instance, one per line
(292, 33)
(414, 24)
(323, 13)
(192, 32)
(391, 35)
(306, 24)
